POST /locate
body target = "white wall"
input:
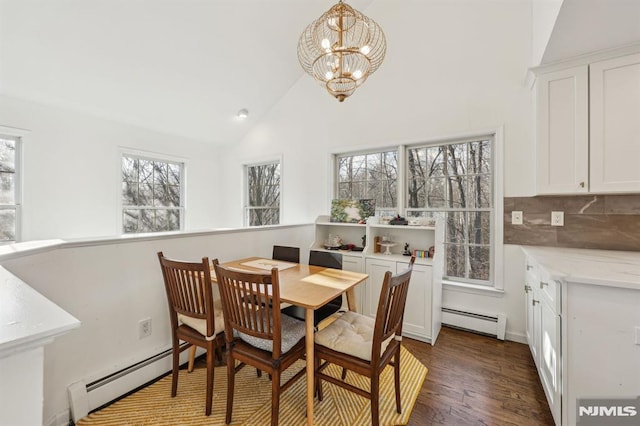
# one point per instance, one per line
(109, 287)
(543, 17)
(451, 68)
(72, 180)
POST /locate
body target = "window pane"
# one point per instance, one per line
(479, 262)
(479, 157)
(130, 220)
(417, 193)
(174, 174)
(479, 227)
(455, 227)
(457, 192)
(435, 193)
(435, 158)
(145, 194)
(145, 171)
(129, 169)
(455, 261)
(258, 217)
(369, 176)
(7, 188)
(479, 191)
(146, 222)
(173, 196)
(173, 219)
(263, 190)
(456, 159)
(161, 222)
(129, 193)
(7, 155)
(160, 196)
(7, 225)
(160, 173)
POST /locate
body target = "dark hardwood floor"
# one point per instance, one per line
(477, 380)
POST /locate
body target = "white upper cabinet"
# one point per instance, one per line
(588, 128)
(562, 132)
(615, 125)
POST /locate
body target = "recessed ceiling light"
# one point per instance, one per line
(243, 114)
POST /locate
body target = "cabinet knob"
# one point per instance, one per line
(534, 301)
(527, 288)
(542, 284)
(529, 267)
(581, 184)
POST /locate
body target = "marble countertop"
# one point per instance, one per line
(599, 267)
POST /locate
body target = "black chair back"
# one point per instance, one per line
(287, 254)
(326, 259)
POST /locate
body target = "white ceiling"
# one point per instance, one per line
(185, 67)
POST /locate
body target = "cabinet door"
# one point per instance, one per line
(418, 309)
(376, 269)
(354, 264)
(615, 109)
(549, 366)
(562, 156)
(536, 332)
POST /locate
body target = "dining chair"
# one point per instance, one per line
(257, 334)
(195, 317)
(287, 254)
(365, 345)
(328, 260)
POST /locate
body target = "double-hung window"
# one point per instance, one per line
(152, 194)
(9, 188)
(456, 179)
(262, 204)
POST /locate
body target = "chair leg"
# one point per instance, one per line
(192, 358)
(375, 398)
(275, 398)
(318, 383)
(258, 372)
(344, 373)
(176, 367)
(231, 372)
(396, 371)
(210, 376)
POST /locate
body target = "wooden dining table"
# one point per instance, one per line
(309, 287)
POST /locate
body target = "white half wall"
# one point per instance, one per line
(110, 285)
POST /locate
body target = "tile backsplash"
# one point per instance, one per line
(607, 222)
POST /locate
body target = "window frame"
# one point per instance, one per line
(18, 136)
(152, 156)
(495, 286)
(246, 221)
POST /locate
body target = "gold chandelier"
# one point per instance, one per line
(341, 49)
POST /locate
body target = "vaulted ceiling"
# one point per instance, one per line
(185, 67)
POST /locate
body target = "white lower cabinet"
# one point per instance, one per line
(543, 332)
(418, 316)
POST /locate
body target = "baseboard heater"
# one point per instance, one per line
(86, 397)
(492, 325)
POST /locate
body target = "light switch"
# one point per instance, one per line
(516, 218)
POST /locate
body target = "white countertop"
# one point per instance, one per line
(27, 318)
(599, 267)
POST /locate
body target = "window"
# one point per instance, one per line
(9, 193)
(371, 175)
(152, 199)
(453, 179)
(457, 180)
(263, 194)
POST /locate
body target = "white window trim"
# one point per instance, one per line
(150, 155)
(22, 135)
(496, 285)
(244, 208)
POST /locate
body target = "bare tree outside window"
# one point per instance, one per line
(263, 194)
(457, 180)
(369, 176)
(8, 188)
(151, 195)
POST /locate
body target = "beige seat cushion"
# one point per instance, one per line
(292, 331)
(200, 325)
(352, 334)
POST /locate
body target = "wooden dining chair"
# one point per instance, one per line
(327, 260)
(256, 333)
(287, 254)
(195, 317)
(366, 346)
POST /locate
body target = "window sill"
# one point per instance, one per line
(472, 288)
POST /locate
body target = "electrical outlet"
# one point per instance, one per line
(557, 218)
(144, 328)
(516, 218)
(637, 335)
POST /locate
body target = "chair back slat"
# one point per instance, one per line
(391, 305)
(189, 291)
(250, 302)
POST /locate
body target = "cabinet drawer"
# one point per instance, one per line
(549, 290)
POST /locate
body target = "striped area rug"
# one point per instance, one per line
(153, 405)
